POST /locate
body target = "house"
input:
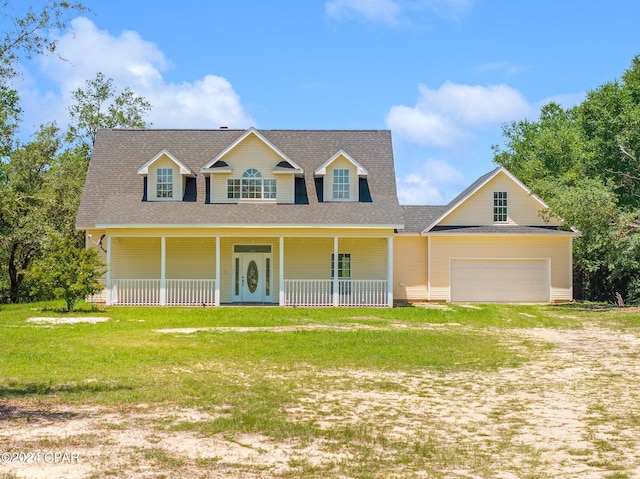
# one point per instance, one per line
(489, 244)
(308, 218)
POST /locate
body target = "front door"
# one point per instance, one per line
(253, 278)
(252, 274)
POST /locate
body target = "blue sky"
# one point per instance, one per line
(443, 75)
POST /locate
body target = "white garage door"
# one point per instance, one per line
(499, 281)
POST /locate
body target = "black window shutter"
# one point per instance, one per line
(190, 190)
(301, 196)
(320, 189)
(364, 193)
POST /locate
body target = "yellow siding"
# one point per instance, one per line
(164, 162)
(341, 163)
(368, 257)
(91, 243)
(310, 258)
(252, 153)
(135, 258)
(410, 268)
(219, 186)
(190, 254)
(478, 209)
(558, 249)
(191, 258)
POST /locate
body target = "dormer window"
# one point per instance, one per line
(341, 184)
(251, 186)
(164, 183)
(340, 179)
(499, 206)
(166, 178)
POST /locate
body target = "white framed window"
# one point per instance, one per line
(233, 188)
(251, 186)
(164, 183)
(500, 207)
(340, 184)
(343, 270)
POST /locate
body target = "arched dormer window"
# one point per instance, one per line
(251, 186)
(251, 173)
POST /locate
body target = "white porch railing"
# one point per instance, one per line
(308, 292)
(191, 291)
(145, 292)
(319, 292)
(135, 292)
(297, 292)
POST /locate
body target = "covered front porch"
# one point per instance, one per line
(209, 269)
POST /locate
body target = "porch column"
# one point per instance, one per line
(109, 298)
(390, 271)
(428, 268)
(163, 271)
(336, 292)
(281, 271)
(216, 298)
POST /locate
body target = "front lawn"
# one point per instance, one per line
(271, 373)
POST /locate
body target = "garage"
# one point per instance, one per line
(500, 280)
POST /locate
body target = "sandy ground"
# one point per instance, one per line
(572, 413)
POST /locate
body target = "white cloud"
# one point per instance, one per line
(447, 115)
(390, 11)
(133, 62)
(474, 104)
(420, 126)
(87, 50)
(207, 103)
(385, 11)
(430, 185)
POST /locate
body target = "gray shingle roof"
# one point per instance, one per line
(468, 190)
(503, 229)
(417, 218)
(113, 189)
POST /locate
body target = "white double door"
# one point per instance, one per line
(252, 275)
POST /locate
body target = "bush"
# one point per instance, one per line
(68, 272)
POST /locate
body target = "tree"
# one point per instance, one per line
(26, 33)
(39, 197)
(98, 106)
(69, 272)
(10, 115)
(24, 216)
(584, 161)
(41, 181)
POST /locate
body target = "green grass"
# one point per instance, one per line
(488, 315)
(125, 359)
(254, 376)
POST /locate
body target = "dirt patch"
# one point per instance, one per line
(574, 411)
(306, 327)
(269, 329)
(68, 320)
(440, 306)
